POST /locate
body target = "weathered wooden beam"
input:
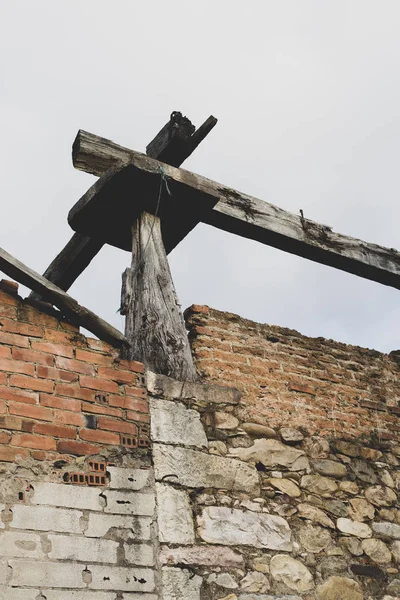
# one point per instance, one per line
(154, 322)
(233, 212)
(93, 154)
(51, 293)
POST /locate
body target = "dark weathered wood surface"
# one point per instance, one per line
(240, 214)
(154, 322)
(80, 250)
(51, 293)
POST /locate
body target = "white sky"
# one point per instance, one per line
(307, 94)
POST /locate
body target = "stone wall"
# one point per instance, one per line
(250, 512)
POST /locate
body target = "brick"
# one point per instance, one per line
(8, 454)
(30, 411)
(3, 378)
(63, 403)
(31, 383)
(66, 417)
(131, 365)
(76, 448)
(46, 518)
(27, 440)
(7, 393)
(75, 365)
(101, 437)
(31, 356)
(117, 375)
(100, 409)
(75, 391)
(98, 345)
(36, 316)
(8, 311)
(37, 573)
(96, 383)
(94, 358)
(129, 403)
(7, 422)
(134, 416)
(56, 374)
(67, 496)
(8, 292)
(4, 437)
(82, 549)
(136, 392)
(14, 340)
(21, 545)
(55, 430)
(3, 407)
(16, 366)
(12, 326)
(62, 337)
(56, 349)
(113, 425)
(5, 352)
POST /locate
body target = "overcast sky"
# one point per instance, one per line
(307, 94)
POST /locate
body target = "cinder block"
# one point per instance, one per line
(14, 594)
(128, 479)
(58, 494)
(71, 547)
(139, 554)
(42, 574)
(21, 545)
(46, 518)
(121, 578)
(129, 503)
(99, 525)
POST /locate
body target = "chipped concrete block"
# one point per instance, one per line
(195, 469)
(139, 554)
(121, 578)
(180, 584)
(69, 496)
(21, 545)
(220, 525)
(42, 574)
(161, 385)
(128, 503)
(72, 547)
(174, 515)
(173, 423)
(46, 518)
(99, 525)
(128, 479)
(208, 556)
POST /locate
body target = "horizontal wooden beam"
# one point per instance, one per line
(236, 213)
(51, 293)
(173, 144)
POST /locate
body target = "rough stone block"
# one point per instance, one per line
(208, 556)
(42, 574)
(161, 385)
(220, 525)
(173, 423)
(128, 503)
(174, 515)
(21, 545)
(72, 547)
(99, 525)
(57, 494)
(46, 518)
(128, 479)
(121, 578)
(180, 584)
(139, 554)
(195, 469)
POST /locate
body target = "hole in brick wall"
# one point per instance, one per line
(59, 464)
(101, 398)
(260, 467)
(144, 442)
(129, 441)
(93, 479)
(21, 496)
(90, 421)
(97, 466)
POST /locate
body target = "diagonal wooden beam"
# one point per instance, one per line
(233, 211)
(51, 293)
(93, 154)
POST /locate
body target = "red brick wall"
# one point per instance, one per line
(61, 393)
(295, 381)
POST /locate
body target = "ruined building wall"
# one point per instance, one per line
(274, 478)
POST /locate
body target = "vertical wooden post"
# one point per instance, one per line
(154, 325)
